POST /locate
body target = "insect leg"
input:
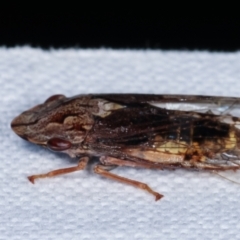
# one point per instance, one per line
(81, 165)
(99, 169)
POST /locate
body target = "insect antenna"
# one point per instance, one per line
(226, 178)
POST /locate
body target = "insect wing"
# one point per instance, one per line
(202, 134)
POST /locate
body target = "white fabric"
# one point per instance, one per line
(83, 205)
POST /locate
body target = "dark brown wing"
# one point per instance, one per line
(151, 133)
(141, 125)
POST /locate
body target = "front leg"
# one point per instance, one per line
(101, 170)
(81, 165)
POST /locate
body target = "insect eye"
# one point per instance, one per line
(58, 144)
(55, 97)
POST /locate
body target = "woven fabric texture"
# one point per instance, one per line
(82, 205)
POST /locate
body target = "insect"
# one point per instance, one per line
(136, 130)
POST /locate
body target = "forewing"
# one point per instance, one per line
(203, 104)
(160, 135)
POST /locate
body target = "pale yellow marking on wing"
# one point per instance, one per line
(173, 147)
(105, 108)
(231, 142)
(156, 156)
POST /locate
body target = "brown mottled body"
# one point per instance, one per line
(149, 131)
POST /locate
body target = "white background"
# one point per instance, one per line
(83, 205)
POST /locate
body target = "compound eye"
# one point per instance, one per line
(58, 144)
(55, 97)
